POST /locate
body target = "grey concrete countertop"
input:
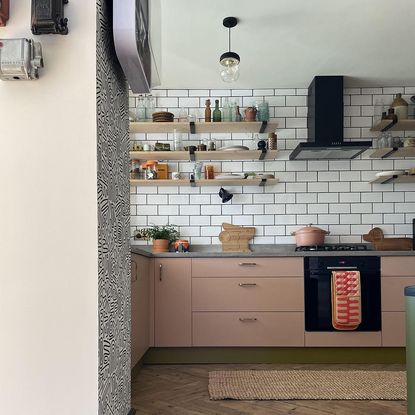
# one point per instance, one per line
(212, 251)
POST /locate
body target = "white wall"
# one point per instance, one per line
(285, 43)
(335, 195)
(48, 222)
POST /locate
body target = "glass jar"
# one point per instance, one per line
(141, 109)
(150, 105)
(177, 141)
(197, 170)
(262, 111)
(209, 172)
(211, 145)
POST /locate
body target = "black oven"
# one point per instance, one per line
(317, 290)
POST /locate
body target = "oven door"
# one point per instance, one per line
(317, 291)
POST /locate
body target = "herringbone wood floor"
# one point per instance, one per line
(182, 390)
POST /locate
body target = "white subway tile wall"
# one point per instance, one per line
(334, 195)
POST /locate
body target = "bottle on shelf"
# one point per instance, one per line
(262, 113)
(233, 106)
(150, 105)
(183, 116)
(141, 109)
(400, 107)
(378, 110)
(177, 141)
(238, 116)
(217, 114)
(208, 111)
(226, 110)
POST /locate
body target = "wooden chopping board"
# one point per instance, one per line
(381, 243)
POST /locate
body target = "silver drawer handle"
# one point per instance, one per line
(247, 320)
(247, 284)
(247, 264)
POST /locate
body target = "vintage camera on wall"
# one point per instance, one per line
(20, 59)
(48, 17)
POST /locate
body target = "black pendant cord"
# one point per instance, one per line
(229, 41)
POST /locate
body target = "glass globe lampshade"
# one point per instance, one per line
(230, 62)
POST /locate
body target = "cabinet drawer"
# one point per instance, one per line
(393, 329)
(248, 294)
(247, 267)
(248, 329)
(347, 339)
(403, 266)
(393, 298)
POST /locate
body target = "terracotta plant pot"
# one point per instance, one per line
(160, 245)
(309, 235)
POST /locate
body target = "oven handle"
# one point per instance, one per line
(341, 268)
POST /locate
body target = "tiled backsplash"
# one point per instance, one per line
(333, 194)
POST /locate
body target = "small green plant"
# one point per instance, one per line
(168, 232)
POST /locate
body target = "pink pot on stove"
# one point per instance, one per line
(309, 235)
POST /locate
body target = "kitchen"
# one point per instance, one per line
(74, 279)
(337, 195)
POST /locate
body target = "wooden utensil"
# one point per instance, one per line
(381, 243)
(235, 238)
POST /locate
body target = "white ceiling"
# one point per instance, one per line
(285, 43)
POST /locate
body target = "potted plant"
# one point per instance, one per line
(162, 236)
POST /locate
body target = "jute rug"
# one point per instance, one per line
(307, 384)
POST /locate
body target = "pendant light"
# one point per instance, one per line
(230, 60)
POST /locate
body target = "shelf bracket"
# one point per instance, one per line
(263, 182)
(389, 153)
(263, 127)
(191, 154)
(192, 127)
(389, 179)
(390, 125)
(263, 153)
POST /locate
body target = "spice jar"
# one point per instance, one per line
(209, 172)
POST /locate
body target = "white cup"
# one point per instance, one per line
(176, 175)
(147, 147)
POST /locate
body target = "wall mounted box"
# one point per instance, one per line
(4, 12)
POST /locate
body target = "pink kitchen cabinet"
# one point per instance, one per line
(172, 302)
(396, 274)
(140, 307)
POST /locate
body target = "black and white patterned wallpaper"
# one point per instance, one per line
(114, 381)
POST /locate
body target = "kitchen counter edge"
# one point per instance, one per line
(213, 251)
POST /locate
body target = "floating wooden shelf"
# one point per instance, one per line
(403, 178)
(393, 152)
(204, 155)
(204, 127)
(203, 182)
(387, 125)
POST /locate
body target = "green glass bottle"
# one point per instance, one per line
(217, 115)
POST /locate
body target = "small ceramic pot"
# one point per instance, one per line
(250, 114)
(161, 245)
(309, 235)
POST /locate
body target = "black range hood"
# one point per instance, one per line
(325, 124)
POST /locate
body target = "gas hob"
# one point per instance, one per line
(330, 248)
